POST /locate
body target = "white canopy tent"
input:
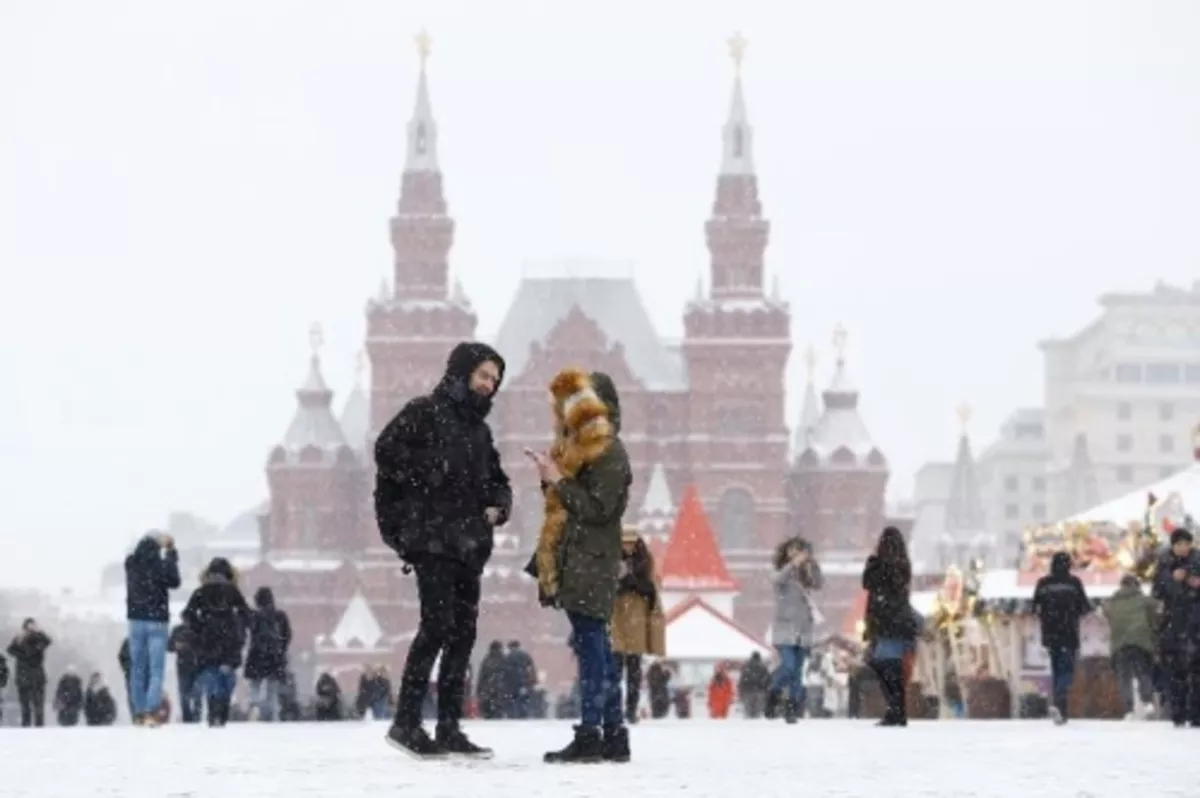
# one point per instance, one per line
(1132, 506)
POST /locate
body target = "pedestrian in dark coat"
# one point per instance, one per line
(99, 709)
(587, 476)
(1177, 586)
(891, 626)
(1060, 601)
(218, 615)
(493, 687)
(329, 698)
(68, 698)
(28, 651)
(181, 643)
(3, 682)
(266, 661)
(440, 492)
(151, 571)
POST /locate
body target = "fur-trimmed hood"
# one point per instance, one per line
(578, 406)
(606, 389)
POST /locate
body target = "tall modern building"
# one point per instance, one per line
(1122, 396)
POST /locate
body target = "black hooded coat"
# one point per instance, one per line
(270, 638)
(1060, 601)
(437, 469)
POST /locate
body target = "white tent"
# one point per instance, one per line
(1132, 506)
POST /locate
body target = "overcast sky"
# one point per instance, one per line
(185, 187)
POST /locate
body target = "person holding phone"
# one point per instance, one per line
(585, 479)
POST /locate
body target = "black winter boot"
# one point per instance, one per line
(451, 740)
(616, 745)
(791, 711)
(414, 741)
(586, 748)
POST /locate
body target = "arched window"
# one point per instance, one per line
(735, 519)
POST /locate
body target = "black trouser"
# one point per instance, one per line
(891, 683)
(631, 673)
(1130, 663)
(1182, 663)
(449, 595)
(32, 697)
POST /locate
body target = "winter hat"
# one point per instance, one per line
(576, 403)
(629, 534)
(1180, 535)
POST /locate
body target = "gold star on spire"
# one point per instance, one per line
(422, 40)
(737, 51)
(839, 341)
(810, 362)
(964, 416)
(316, 338)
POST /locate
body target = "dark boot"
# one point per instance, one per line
(771, 708)
(791, 711)
(451, 740)
(414, 741)
(586, 748)
(616, 745)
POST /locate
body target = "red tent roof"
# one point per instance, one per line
(692, 560)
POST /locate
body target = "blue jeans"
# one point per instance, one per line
(217, 683)
(264, 696)
(790, 672)
(1062, 674)
(189, 697)
(147, 665)
(380, 709)
(599, 681)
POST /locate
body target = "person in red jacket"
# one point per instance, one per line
(720, 694)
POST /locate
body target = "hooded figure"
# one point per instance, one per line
(439, 494)
(266, 660)
(217, 615)
(587, 476)
(1060, 601)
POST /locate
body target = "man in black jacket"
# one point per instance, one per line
(150, 572)
(1177, 586)
(439, 493)
(1060, 601)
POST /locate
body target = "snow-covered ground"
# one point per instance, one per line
(696, 759)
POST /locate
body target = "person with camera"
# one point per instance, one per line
(151, 572)
(793, 630)
(28, 651)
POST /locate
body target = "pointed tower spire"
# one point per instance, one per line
(691, 564)
(737, 157)
(965, 528)
(422, 128)
(356, 412)
(840, 433)
(658, 508)
(1080, 491)
(314, 426)
(810, 412)
(737, 232)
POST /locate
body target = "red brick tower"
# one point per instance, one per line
(316, 480)
(737, 341)
(412, 328)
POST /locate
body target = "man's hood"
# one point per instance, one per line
(1060, 564)
(462, 362)
(606, 389)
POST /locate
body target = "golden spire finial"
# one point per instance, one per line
(316, 338)
(964, 416)
(810, 362)
(737, 51)
(839, 341)
(423, 41)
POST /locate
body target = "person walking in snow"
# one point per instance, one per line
(150, 572)
(99, 708)
(440, 492)
(638, 627)
(793, 630)
(586, 477)
(68, 697)
(1177, 587)
(218, 616)
(1132, 616)
(1060, 601)
(28, 651)
(891, 625)
(266, 660)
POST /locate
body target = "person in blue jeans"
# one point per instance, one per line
(585, 479)
(218, 616)
(793, 629)
(891, 624)
(1060, 602)
(151, 571)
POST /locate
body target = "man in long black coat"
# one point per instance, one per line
(439, 493)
